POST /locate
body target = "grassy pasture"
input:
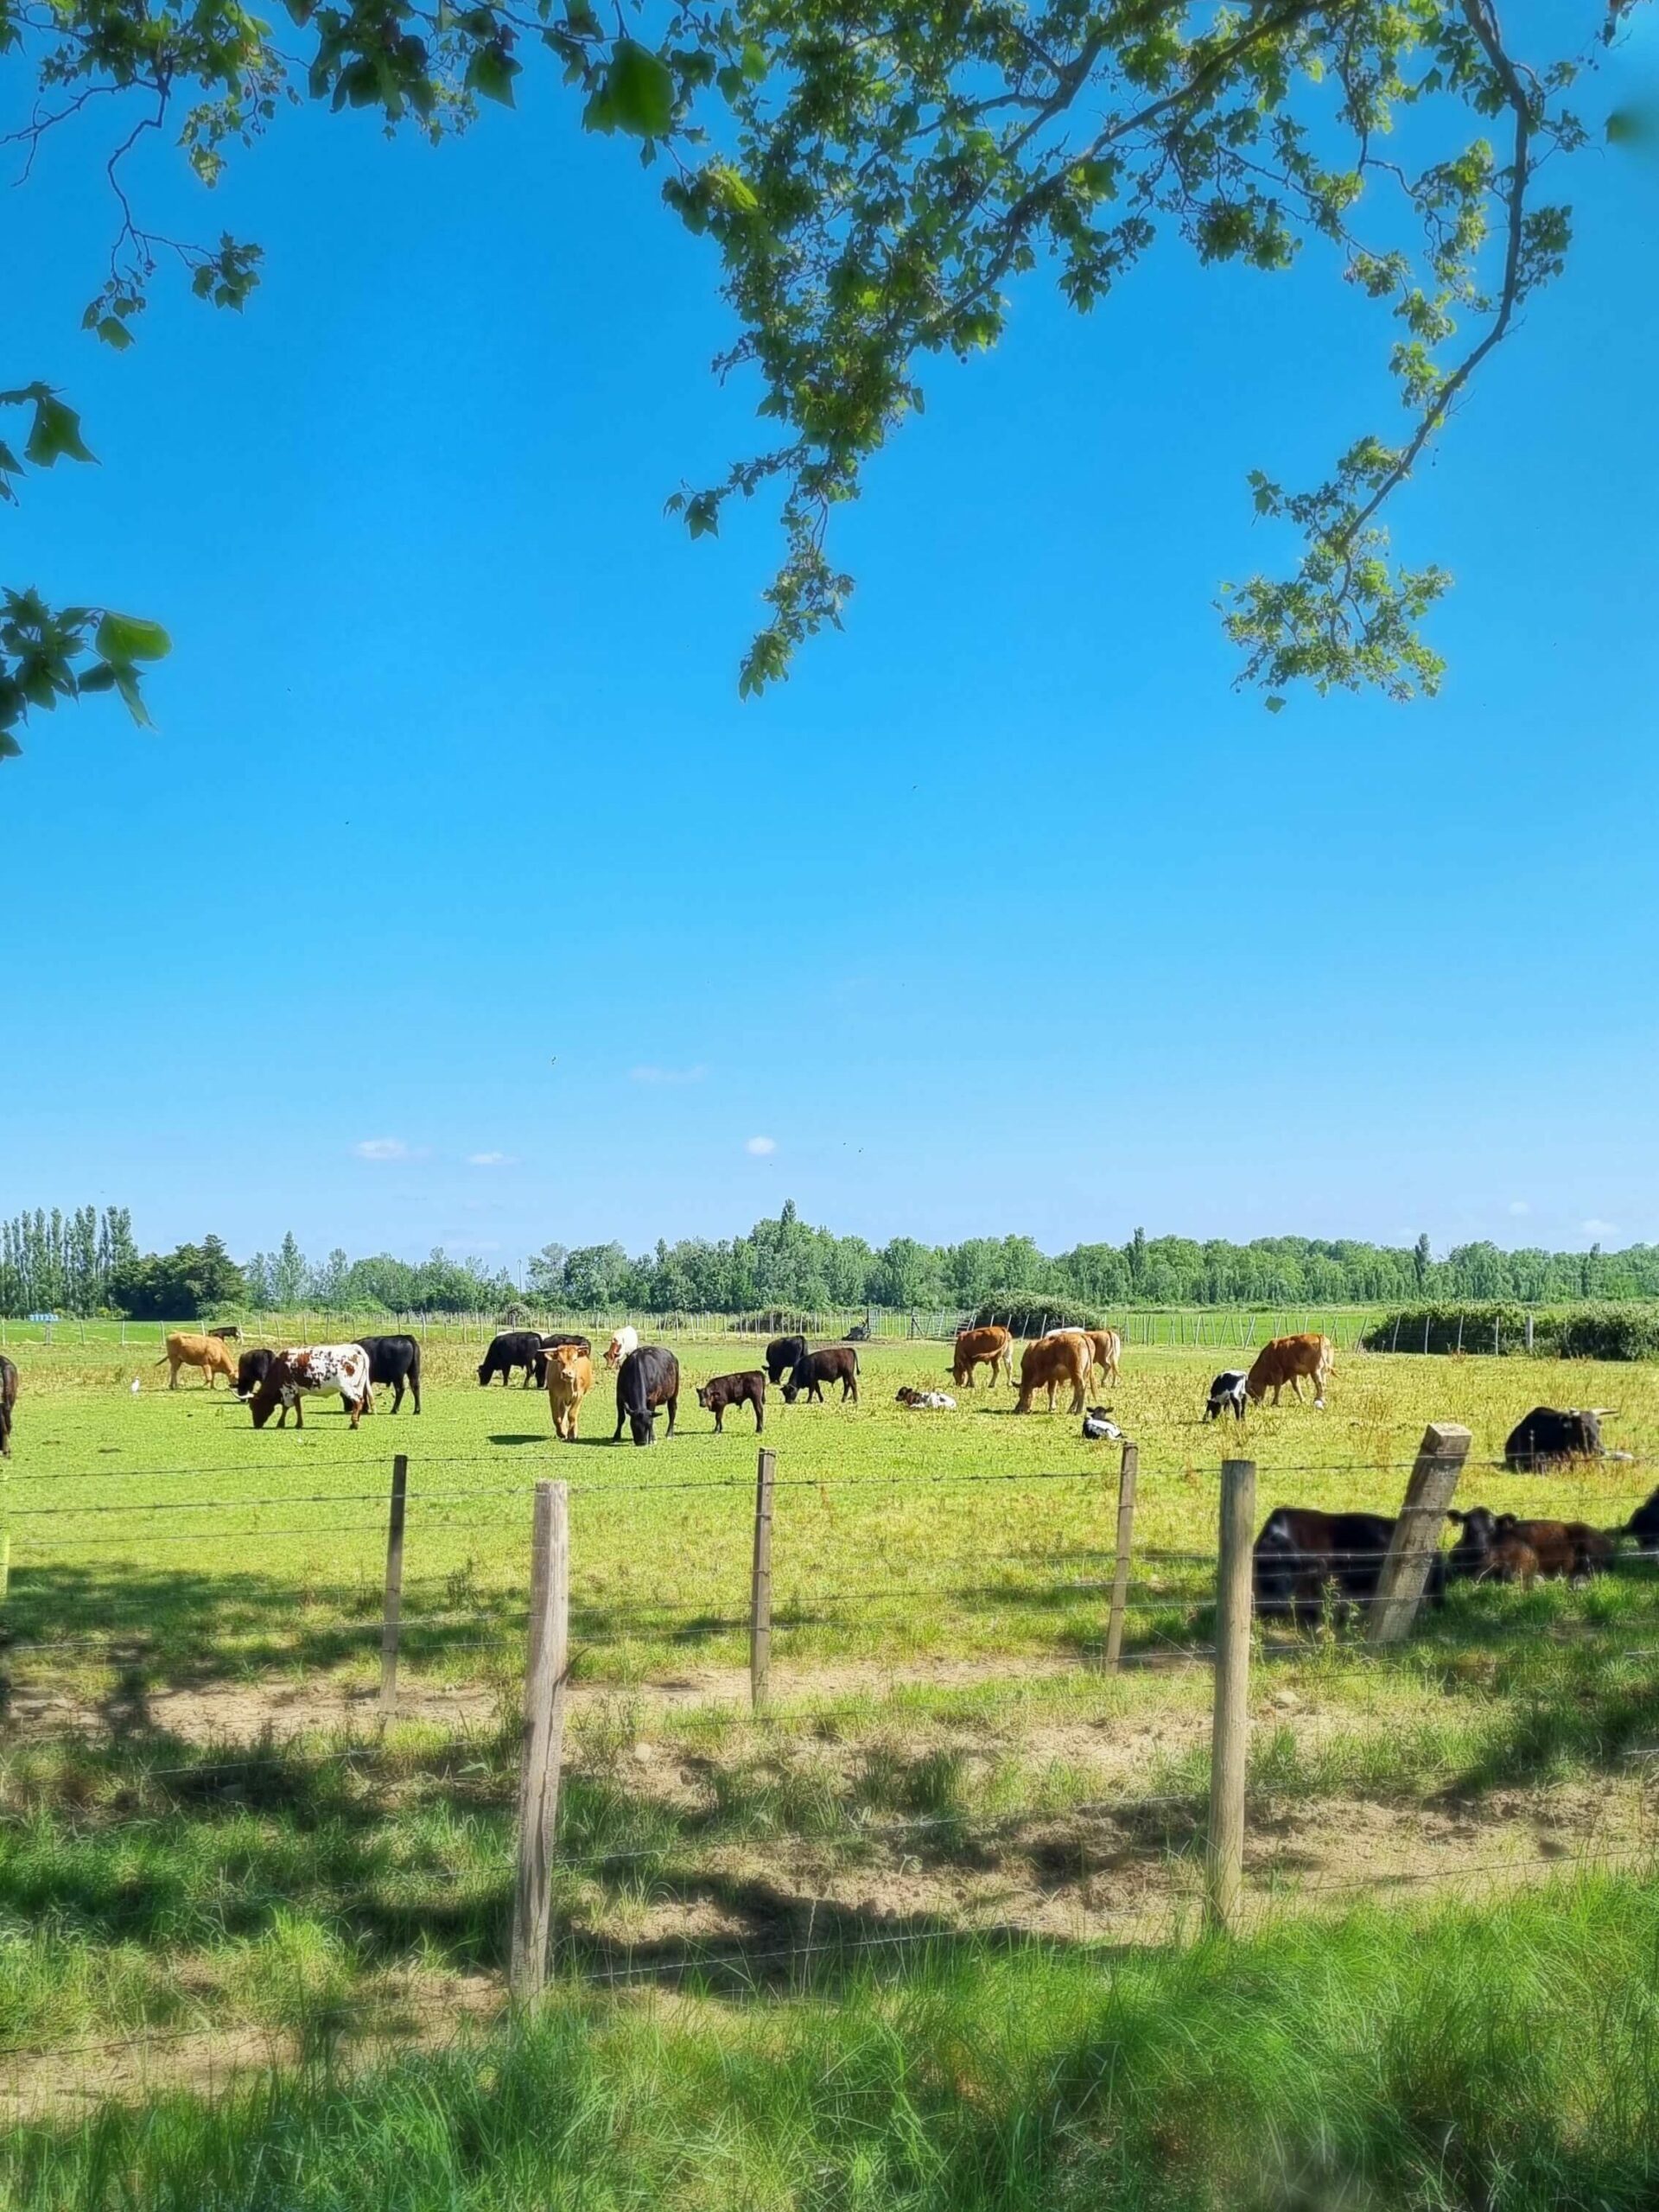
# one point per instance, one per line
(943, 1776)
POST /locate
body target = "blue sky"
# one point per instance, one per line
(456, 898)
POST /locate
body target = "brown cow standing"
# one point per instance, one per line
(1287, 1359)
(748, 1388)
(991, 1347)
(1109, 1351)
(570, 1378)
(1052, 1360)
(211, 1354)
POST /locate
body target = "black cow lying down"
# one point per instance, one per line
(1644, 1523)
(1551, 1435)
(1303, 1556)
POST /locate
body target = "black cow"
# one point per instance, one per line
(747, 1390)
(647, 1379)
(1644, 1523)
(251, 1370)
(515, 1348)
(1302, 1554)
(394, 1362)
(1227, 1394)
(230, 1333)
(782, 1354)
(834, 1363)
(581, 1344)
(1549, 1436)
(7, 1402)
(859, 1334)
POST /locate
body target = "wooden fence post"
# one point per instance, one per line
(760, 1587)
(1416, 1536)
(1121, 1557)
(1229, 1738)
(392, 1606)
(543, 1741)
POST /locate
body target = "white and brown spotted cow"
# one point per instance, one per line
(311, 1370)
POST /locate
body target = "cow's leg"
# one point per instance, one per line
(720, 1415)
(673, 1409)
(1296, 1388)
(759, 1415)
(173, 1377)
(299, 1412)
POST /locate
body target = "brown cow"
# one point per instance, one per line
(1052, 1360)
(570, 1378)
(748, 1388)
(992, 1347)
(1287, 1359)
(1109, 1351)
(209, 1353)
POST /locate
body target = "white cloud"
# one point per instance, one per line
(760, 1148)
(1518, 1207)
(667, 1075)
(491, 1160)
(383, 1148)
(1596, 1227)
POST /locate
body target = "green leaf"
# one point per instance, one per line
(491, 72)
(640, 90)
(127, 683)
(10, 748)
(56, 431)
(115, 332)
(1273, 705)
(123, 638)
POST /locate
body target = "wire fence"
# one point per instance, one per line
(1169, 1601)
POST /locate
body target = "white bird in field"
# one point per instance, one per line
(136, 1386)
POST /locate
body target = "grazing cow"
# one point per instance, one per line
(782, 1354)
(1053, 1360)
(1549, 1436)
(308, 1371)
(647, 1379)
(834, 1363)
(513, 1348)
(570, 1378)
(1287, 1359)
(1644, 1523)
(251, 1370)
(8, 1404)
(748, 1388)
(1227, 1394)
(925, 1401)
(1099, 1428)
(205, 1353)
(395, 1364)
(625, 1341)
(230, 1333)
(1302, 1557)
(991, 1347)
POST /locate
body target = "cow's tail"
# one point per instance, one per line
(161, 1362)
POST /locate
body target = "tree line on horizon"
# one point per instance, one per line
(86, 1262)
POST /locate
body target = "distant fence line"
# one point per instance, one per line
(1220, 1328)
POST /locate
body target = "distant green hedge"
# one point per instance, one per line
(1623, 1331)
(1029, 1317)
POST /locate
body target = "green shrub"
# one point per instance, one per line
(1623, 1331)
(1029, 1316)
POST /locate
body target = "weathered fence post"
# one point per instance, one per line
(543, 1741)
(1528, 1334)
(1416, 1536)
(1121, 1557)
(1229, 1738)
(760, 1587)
(391, 1608)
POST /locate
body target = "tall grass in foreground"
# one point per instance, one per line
(1498, 2057)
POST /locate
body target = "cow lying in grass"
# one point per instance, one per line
(1304, 1559)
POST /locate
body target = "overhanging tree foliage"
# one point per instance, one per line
(876, 177)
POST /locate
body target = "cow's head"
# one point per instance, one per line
(703, 1389)
(643, 1426)
(567, 1358)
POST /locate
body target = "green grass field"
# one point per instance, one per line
(205, 1840)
